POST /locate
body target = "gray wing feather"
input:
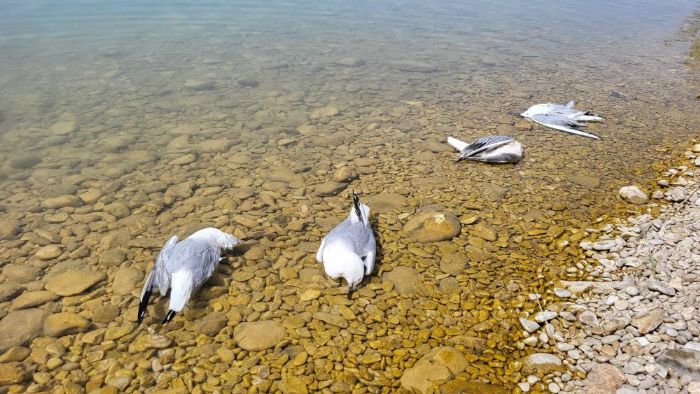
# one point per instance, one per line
(192, 255)
(556, 120)
(359, 234)
(161, 275)
(484, 144)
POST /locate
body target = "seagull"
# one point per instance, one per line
(184, 266)
(349, 250)
(561, 117)
(491, 149)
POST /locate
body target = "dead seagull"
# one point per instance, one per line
(184, 266)
(562, 117)
(491, 149)
(348, 251)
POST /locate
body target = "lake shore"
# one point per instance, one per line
(636, 330)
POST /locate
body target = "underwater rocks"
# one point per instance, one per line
(438, 366)
(404, 279)
(9, 228)
(18, 327)
(432, 227)
(64, 323)
(61, 202)
(73, 282)
(260, 335)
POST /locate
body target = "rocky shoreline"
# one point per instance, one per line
(637, 329)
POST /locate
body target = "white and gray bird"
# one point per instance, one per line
(562, 117)
(184, 266)
(490, 149)
(349, 250)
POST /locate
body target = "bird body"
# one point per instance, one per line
(561, 117)
(349, 250)
(184, 266)
(490, 149)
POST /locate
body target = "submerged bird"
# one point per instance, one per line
(348, 251)
(562, 117)
(491, 149)
(184, 266)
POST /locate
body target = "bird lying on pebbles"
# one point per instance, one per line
(349, 250)
(184, 266)
(561, 117)
(491, 149)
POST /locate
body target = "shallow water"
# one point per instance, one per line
(171, 116)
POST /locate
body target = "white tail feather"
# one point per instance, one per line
(457, 144)
(182, 285)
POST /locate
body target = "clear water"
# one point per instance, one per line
(142, 84)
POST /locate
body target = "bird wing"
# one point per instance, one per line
(484, 144)
(319, 254)
(161, 274)
(457, 144)
(562, 123)
(198, 257)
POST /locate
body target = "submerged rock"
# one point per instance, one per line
(433, 227)
(12, 373)
(73, 282)
(19, 327)
(64, 323)
(404, 279)
(438, 366)
(259, 335)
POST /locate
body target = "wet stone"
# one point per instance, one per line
(259, 335)
(48, 252)
(404, 279)
(633, 195)
(452, 264)
(62, 201)
(8, 291)
(21, 273)
(15, 353)
(112, 257)
(324, 112)
(63, 127)
(541, 363)
(73, 282)
(329, 189)
(9, 228)
(18, 327)
(32, 298)
(432, 227)
(332, 319)
(12, 373)
(106, 314)
(64, 323)
(211, 323)
(126, 280)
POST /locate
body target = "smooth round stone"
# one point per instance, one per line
(633, 195)
(48, 252)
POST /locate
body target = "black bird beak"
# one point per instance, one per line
(143, 305)
(169, 316)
